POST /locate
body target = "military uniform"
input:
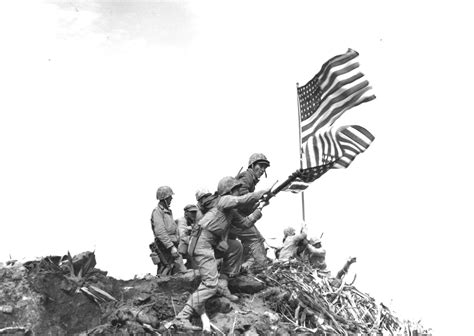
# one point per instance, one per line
(166, 233)
(184, 230)
(251, 238)
(185, 225)
(316, 256)
(213, 244)
(290, 246)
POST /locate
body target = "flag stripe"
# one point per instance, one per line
(345, 98)
(336, 88)
(334, 79)
(354, 140)
(343, 82)
(329, 94)
(346, 105)
(331, 103)
(325, 89)
(335, 62)
(338, 105)
(361, 137)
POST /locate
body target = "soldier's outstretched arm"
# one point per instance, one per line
(229, 202)
(241, 221)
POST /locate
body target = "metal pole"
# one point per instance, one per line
(300, 149)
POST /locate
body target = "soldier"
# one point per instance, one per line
(203, 198)
(254, 253)
(166, 234)
(257, 166)
(185, 225)
(288, 232)
(212, 243)
(315, 254)
(292, 243)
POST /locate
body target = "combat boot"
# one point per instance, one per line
(223, 290)
(182, 321)
(184, 324)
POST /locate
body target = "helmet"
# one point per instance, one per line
(289, 231)
(201, 193)
(314, 241)
(163, 192)
(226, 184)
(190, 207)
(258, 157)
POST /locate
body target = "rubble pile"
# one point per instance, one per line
(69, 296)
(313, 303)
(48, 296)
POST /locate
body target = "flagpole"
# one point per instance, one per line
(299, 147)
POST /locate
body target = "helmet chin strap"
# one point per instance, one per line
(264, 172)
(167, 203)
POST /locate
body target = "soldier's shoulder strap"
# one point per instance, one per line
(239, 173)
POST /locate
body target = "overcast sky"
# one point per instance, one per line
(102, 102)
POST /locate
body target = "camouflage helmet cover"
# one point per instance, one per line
(226, 184)
(258, 157)
(163, 192)
(289, 231)
(314, 240)
(201, 193)
(190, 208)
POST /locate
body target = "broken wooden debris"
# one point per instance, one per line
(311, 303)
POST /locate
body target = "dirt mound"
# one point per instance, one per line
(69, 296)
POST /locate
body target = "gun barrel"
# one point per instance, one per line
(285, 183)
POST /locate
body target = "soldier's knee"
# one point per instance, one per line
(211, 288)
(210, 283)
(235, 245)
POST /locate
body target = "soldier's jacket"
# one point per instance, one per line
(164, 226)
(315, 256)
(290, 246)
(199, 214)
(184, 231)
(218, 219)
(249, 180)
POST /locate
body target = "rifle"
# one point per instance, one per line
(237, 176)
(272, 193)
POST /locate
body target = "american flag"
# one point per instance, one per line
(336, 88)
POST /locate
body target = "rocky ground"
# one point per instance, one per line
(69, 296)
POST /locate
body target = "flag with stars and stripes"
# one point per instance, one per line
(336, 88)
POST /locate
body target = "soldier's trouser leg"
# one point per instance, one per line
(252, 240)
(206, 261)
(231, 262)
(231, 259)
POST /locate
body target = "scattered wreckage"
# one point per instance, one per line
(68, 295)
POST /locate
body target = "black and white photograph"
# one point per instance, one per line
(175, 167)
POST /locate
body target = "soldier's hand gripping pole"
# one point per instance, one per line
(269, 194)
(272, 193)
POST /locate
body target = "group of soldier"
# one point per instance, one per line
(218, 236)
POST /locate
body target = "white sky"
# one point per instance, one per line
(102, 102)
